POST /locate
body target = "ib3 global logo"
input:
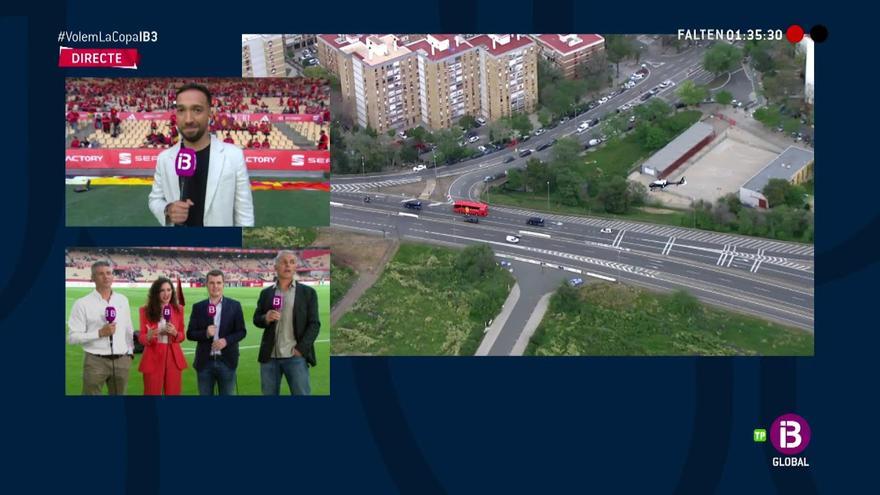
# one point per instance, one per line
(790, 435)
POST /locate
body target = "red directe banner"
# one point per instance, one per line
(145, 159)
(239, 117)
(121, 58)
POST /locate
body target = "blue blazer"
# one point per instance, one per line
(231, 328)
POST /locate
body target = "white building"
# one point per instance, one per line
(262, 55)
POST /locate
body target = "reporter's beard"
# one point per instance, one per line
(191, 139)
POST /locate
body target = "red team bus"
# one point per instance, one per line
(471, 208)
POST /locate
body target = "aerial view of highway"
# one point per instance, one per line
(638, 194)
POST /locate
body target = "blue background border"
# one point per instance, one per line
(434, 425)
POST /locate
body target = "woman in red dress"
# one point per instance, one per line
(161, 335)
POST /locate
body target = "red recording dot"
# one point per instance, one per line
(794, 33)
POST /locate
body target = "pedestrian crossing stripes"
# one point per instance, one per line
(635, 270)
(362, 186)
(680, 234)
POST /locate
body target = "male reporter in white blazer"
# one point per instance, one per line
(219, 194)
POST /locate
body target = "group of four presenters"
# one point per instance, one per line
(287, 311)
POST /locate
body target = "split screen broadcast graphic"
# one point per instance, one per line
(584, 194)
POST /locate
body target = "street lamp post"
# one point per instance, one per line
(434, 158)
(363, 168)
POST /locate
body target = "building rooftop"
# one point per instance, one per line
(373, 49)
(499, 44)
(569, 43)
(342, 40)
(784, 166)
(678, 146)
(439, 46)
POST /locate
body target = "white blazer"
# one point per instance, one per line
(228, 199)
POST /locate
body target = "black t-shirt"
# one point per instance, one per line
(196, 187)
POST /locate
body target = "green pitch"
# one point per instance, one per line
(248, 367)
(126, 206)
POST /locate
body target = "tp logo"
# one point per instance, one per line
(185, 163)
(790, 434)
(276, 302)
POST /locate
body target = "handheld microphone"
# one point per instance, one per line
(110, 316)
(212, 309)
(185, 167)
(277, 301)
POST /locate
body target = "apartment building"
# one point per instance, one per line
(567, 51)
(508, 74)
(262, 55)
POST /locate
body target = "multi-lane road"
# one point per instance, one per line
(767, 278)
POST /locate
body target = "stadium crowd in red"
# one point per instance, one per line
(105, 98)
(295, 95)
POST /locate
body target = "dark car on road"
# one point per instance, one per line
(509, 159)
(413, 205)
(470, 219)
(543, 146)
(525, 153)
(536, 221)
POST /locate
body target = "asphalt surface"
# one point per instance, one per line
(766, 278)
(731, 276)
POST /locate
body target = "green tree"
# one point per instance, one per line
(617, 48)
(545, 117)
(782, 85)
(613, 195)
(655, 137)
(409, 154)
(615, 124)
(768, 116)
(521, 123)
(653, 110)
(721, 58)
(691, 94)
(776, 191)
(515, 180)
(500, 130)
(537, 175)
(467, 122)
(566, 153)
(795, 197)
(475, 262)
(567, 186)
(724, 97)
(420, 135)
(791, 125)
(447, 145)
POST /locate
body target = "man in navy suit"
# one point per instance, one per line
(217, 324)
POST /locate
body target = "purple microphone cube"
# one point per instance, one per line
(185, 162)
(110, 314)
(277, 301)
(212, 310)
(166, 312)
